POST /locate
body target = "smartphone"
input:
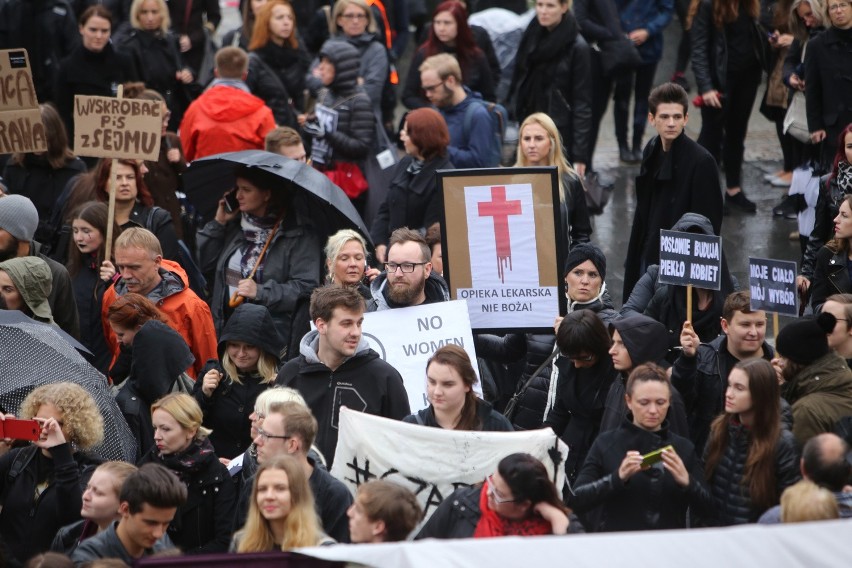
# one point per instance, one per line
(19, 429)
(656, 456)
(231, 203)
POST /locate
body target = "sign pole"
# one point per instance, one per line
(689, 302)
(775, 325)
(111, 209)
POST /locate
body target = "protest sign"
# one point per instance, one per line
(504, 257)
(21, 128)
(432, 462)
(690, 259)
(106, 127)
(407, 337)
(773, 286)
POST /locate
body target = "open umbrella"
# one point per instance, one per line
(33, 354)
(314, 196)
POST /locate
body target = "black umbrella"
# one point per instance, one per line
(33, 354)
(314, 196)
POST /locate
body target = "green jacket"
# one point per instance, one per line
(820, 395)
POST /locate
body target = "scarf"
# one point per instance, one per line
(256, 231)
(414, 167)
(189, 462)
(491, 524)
(844, 177)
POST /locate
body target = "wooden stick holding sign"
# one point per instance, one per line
(689, 303)
(690, 259)
(117, 128)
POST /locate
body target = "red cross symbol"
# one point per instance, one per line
(500, 209)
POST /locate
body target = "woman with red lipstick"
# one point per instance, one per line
(749, 458)
(833, 261)
(203, 524)
(281, 515)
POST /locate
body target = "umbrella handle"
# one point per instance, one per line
(236, 300)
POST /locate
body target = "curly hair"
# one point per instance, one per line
(83, 423)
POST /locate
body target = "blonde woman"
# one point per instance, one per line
(249, 349)
(540, 144)
(203, 524)
(47, 492)
(346, 261)
(281, 514)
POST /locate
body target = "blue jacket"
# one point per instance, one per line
(652, 15)
(468, 149)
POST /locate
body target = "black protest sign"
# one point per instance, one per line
(21, 128)
(773, 286)
(688, 258)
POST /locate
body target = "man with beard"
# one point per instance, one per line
(408, 279)
(18, 223)
(336, 367)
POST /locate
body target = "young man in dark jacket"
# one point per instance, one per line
(336, 367)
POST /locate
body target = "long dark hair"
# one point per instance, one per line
(840, 155)
(836, 245)
(759, 470)
(457, 358)
(466, 49)
(59, 154)
(527, 477)
(724, 11)
(95, 214)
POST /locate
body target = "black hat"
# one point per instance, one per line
(805, 340)
(583, 252)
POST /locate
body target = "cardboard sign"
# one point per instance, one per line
(21, 129)
(407, 337)
(432, 462)
(105, 127)
(688, 258)
(773, 286)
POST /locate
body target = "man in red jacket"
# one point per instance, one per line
(226, 117)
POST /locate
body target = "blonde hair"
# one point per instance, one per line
(137, 237)
(444, 64)
(302, 526)
(341, 5)
(267, 367)
(806, 501)
(119, 471)
(136, 7)
(333, 246)
(185, 410)
(83, 423)
(556, 157)
(277, 395)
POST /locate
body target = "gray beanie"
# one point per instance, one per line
(18, 217)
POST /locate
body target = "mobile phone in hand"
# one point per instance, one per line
(19, 429)
(231, 203)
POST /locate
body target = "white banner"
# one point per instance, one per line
(431, 462)
(407, 337)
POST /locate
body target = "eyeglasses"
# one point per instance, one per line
(404, 266)
(838, 6)
(493, 492)
(259, 415)
(354, 16)
(265, 436)
(580, 358)
(430, 88)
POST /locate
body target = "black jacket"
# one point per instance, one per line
(490, 420)
(69, 537)
(332, 499)
(412, 200)
(651, 499)
(553, 75)
(264, 83)
(476, 75)
(598, 19)
(830, 276)
(290, 66)
(28, 524)
(687, 182)
(828, 76)
(364, 382)
(89, 296)
(199, 12)
(731, 495)
(827, 208)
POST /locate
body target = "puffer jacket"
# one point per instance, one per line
(820, 395)
(730, 493)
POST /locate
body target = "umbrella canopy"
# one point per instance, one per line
(315, 197)
(33, 354)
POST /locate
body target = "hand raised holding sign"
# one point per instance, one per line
(689, 340)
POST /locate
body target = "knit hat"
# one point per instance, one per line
(18, 217)
(805, 340)
(583, 252)
(34, 281)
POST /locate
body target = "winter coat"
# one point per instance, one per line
(828, 76)
(61, 297)
(598, 19)
(553, 75)
(290, 66)
(831, 276)
(436, 290)
(651, 499)
(107, 545)
(469, 148)
(291, 269)
(687, 182)
(490, 420)
(69, 537)
(186, 313)
(827, 208)
(412, 200)
(578, 407)
(703, 380)
(332, 499)
(373, 66)
(651, 16)
(164, 179)
(200, 11)
(730, 493)
(224, 119)
(28, 524)
(36, 179)
(89, 295)
(202, 525)
(363, 382)
(264, 83)
(574, 214)
(476, 75)
(820, 395)
(227, 410)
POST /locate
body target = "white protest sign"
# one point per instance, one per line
(21, 128)
(432, 462)
(106, 127)
(407, 337)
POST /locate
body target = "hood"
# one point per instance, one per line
(309, 347)
(228, 104)
(646, 339)
(694, 223)
(252, 324)
(34, 281)
(436, 290)
(828, 374)
(163, 349)
(174, 281)
(347, 64)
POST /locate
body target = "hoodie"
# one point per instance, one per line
(436, 290)
(363, 382)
